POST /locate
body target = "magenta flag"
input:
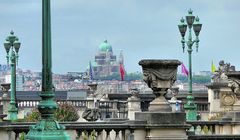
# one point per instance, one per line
(184, 69)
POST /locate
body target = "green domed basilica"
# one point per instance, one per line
(105, 61)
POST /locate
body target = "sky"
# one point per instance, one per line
(143, 29)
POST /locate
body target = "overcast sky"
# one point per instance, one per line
(141, 28)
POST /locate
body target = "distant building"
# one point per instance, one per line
(19, 81)
(105, 62)
(204, 73)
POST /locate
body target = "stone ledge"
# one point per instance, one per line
(161, 117)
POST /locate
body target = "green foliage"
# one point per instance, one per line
(196, 79)
(93, 135)
(65, 112)
(22, 136)
(127, 77)
(34, 116)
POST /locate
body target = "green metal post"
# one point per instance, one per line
(12, 47)
(190, 106)
(47, 128)
(12, 108)
(190, 61)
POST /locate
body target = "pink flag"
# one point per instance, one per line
(184, 70)
(121, 71)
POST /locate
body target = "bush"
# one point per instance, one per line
(22, 136)
(65, 112)
(34, 116)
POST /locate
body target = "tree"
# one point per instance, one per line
(65, 112)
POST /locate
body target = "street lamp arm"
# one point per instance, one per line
(196, 40)
(183, 43)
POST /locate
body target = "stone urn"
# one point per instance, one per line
(134, 94)
(174, 91)
(92, 89)
(5, 89)
(159, 76)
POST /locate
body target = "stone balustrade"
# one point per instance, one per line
(107, 130)
(214, 130)
(34, 103)
(119, 129)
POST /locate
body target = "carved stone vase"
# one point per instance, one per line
(5, 89)
(159, 76)
(92, 89)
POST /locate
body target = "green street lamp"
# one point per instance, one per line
(47, 128)
(12, 46)
(192, 22)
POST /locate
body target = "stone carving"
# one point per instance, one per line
(174, 91)
(234, 84)
(92, 114)
(159, 76)
(220, 75)
(135, 93)
(5, 88)
(227, 73)
(155, 71)
(227, 98)
(151, 76)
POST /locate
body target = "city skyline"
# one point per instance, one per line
(149, 29)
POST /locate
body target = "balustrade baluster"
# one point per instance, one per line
(205, 130)
(91, 135)
(99, 134)
(85, 135)
(16, 135)
(198, 130)
(131, 134)
(117, 134)
(108, 134)
(79, 135)
(123, 134)
(213, 129)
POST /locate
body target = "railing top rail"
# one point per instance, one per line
(213, 122)
(213, 137)
(79, 125)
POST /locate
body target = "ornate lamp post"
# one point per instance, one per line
(12, 46)
(190, 107)
(47, 128)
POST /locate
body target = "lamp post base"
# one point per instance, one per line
(190, 109)
(12, 112)
(47, 130)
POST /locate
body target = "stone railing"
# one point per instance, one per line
(34, 103)
(120, 129)
(108, 130)
(213, 130)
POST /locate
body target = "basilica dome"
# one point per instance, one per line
(105, 47)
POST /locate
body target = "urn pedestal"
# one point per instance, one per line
(163, 124)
